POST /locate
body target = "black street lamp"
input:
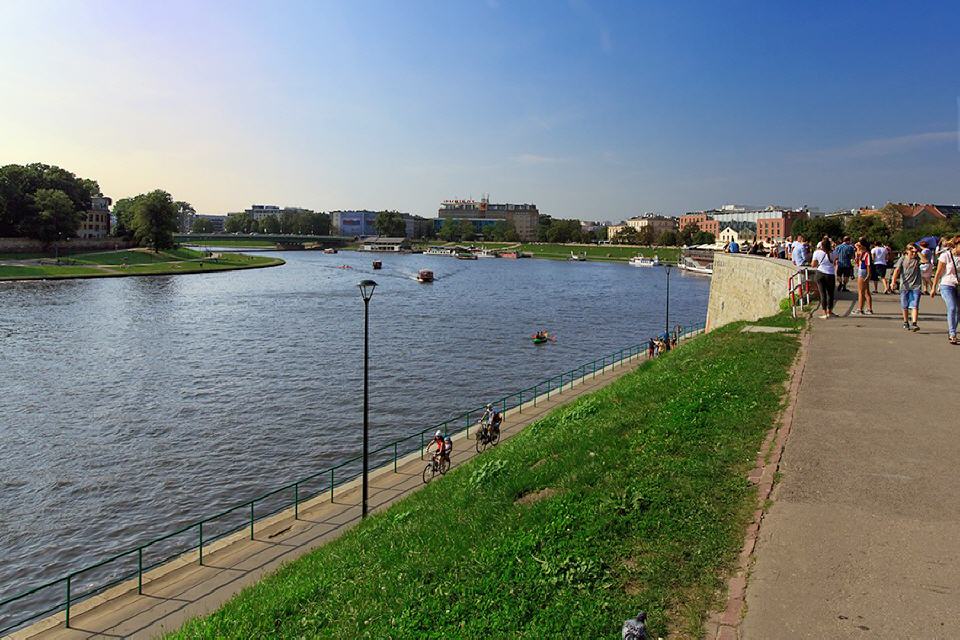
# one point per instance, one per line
(666, 323)
(366, 292)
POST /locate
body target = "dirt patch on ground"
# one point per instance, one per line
(542, 461)
(535, 496)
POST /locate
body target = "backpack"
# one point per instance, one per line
(448, 443)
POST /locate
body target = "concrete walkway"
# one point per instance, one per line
(863, 537)
(183, 589)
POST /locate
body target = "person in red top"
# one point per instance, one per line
(441, 445)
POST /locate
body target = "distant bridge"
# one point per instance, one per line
(285, 240)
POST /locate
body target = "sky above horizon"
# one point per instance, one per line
(591, 110)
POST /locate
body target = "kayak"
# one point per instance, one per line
(540, 340)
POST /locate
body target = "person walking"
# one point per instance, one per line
(946, 277)
(845, 253)
(799, 253)
(879, 274)
(862, 261)
(926, 265)
(824, 260)
(908, 279)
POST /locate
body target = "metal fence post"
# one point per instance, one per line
(331, 484)
(296, 500)
(140, 571)
(520, 406)
(421, 445)
(394, 457)
(251, 520)
(201, 544)
(67, 621)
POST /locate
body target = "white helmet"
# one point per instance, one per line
(437, 434)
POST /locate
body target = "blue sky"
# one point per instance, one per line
(595, 110)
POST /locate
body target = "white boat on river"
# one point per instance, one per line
(641, 261)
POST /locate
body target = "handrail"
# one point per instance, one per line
(553, 384)
(800, 279)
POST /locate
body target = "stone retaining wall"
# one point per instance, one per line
(746, 287)
(29, 245)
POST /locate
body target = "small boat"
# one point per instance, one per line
(510, 255)
(377, 264)
(466, 256)
(640, 261)
(577, 258)
(486, 254)
(425, 275)
(330, 250)
(540, 338)
(438, 251)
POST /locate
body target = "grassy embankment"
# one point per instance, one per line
(137, 262)
(613, 253)
(635, 498)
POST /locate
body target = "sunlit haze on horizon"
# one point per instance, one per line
(592, 110)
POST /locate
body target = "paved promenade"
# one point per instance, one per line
(863, 537)
(183, 589)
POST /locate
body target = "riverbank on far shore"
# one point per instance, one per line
(133, 262)
(555, 251)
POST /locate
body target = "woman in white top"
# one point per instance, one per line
(824, 260)
(946, 276)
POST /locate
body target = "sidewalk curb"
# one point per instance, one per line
(725, 624)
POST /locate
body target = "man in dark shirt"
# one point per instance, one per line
(845, 253)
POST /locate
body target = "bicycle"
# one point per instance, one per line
(436, 465)
(487, 436)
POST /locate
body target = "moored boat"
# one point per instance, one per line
(577, 257)
(510, 255)
(466, 256)
(641, 261)
(486, 254)
(377, 264)
(425, 275)
(330, 250)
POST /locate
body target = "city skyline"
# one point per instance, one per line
(590, 110)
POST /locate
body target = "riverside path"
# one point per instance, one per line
(861, 540)
(183, 589)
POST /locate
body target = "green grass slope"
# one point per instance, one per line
(634, 497)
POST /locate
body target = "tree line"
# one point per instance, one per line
(48, 203)
(690, 234)
(311, 223)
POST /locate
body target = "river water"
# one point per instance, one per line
(132, 406)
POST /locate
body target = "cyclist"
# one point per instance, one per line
(442, 452)
(496, 419)
(487, 417)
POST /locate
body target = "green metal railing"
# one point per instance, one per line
(337, 476)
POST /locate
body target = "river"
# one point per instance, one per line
(132, 406)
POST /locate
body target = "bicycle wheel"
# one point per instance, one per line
(444, 465)
(481, 442)
(428, 473)
(496, 438)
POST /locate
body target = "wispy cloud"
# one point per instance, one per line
(889, 146)
(533, 159)
(599, 24)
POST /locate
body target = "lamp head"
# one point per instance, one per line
(366, 289)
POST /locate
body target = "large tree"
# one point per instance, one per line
(627, 235)
(450, 230)
(668, 239)
(390, 224)
(687, 232)
(871, 228)
(270, 224)
(466, 230)
(55, 216)
(816, 228)
(202, 225)
(236, 222)
(19, 210)
(155, 219)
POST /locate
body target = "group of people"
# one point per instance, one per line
(662, 344)
(921, 269)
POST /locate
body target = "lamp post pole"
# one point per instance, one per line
(366, 292)
(666, 323)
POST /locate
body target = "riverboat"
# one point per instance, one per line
(486, 254)
(438, 251)
(425, 275)
(330, 250)
(689, 264)
(698, 259)
(641, 261)
(377, 264)
(466, 256)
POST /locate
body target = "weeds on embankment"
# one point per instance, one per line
(634, 497)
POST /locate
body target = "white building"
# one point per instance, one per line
(390, 245)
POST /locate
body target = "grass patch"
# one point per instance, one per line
(138, 263)
(603, 252)
(239, 242)
(633, 497)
